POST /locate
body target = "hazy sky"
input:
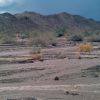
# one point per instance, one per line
(86, 8)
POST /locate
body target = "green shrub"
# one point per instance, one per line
(76, 38)
(94, 38)
(4, 39)
(36, 49)
(61, 32)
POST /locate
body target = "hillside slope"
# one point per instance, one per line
(34, 22)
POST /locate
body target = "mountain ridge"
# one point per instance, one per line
(34, 22)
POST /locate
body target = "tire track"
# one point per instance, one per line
(74, 88)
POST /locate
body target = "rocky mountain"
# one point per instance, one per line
(34, 22)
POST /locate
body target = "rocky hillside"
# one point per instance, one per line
(31, 21)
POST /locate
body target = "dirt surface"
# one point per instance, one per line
(58, 78)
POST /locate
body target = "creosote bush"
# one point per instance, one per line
(43, 39)
(94, 38)
(76, 38)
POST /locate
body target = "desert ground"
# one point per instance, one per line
(61, 75)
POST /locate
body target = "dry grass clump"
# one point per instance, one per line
(86, 47)
(37, 56)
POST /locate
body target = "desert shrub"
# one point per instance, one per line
(36, 49)
(76, 38)
(87, 33)
(37, 56)
(87, 47)
(7, 40)
(94, 38)
(61, 32)
(43, 39)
